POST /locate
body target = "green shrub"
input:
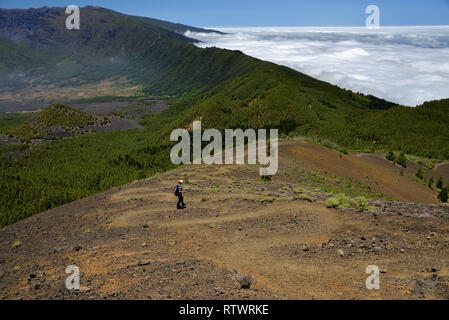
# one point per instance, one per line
(339, 201)
(440, 183)
(402, 160)
(420, 174)
(266, 178)
(266, 199)
(332, 203)
(304, 197)
(390, 156)
(430, 185)
(443, 195)
(299, 190)
(361, 204)
(17, 244)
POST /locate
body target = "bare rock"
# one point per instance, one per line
(143, 262)
(245, 281)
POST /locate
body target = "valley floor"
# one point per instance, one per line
(131, 243)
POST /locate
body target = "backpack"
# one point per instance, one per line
(176, 191)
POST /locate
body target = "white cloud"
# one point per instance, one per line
(407, 65)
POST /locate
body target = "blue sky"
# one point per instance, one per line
(268, 13)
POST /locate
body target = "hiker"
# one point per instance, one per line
(179, 191)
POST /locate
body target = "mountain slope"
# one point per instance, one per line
(46, 25)
(130, 242)
(110, 46)
(422, 130)
(297, 105)
(16, 57)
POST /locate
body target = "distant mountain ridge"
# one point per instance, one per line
(176, 27)
(146, 52)
(20, 24)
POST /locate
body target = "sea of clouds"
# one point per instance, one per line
(407, 65)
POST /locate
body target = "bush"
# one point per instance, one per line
(440, 183)
(17, 244)
(266, 178)
(402, 160)
(339, 201)
(304, 197)
(332, 203)
(419, 174)
(430, 185)
(390, 156)
(443, 195)
(361, 204)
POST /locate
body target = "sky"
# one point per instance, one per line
(241, 13)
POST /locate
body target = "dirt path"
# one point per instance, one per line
(131, 243)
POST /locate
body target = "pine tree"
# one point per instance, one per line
(430, 185)
(390, 156)
(419, 174)
(402, 160)
(440, 183)
(443, 195)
